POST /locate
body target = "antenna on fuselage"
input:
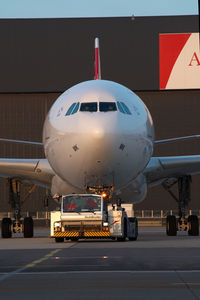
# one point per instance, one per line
(97, 64)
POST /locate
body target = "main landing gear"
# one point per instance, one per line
(190, 224)
(9, 226)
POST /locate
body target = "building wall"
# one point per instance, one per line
(22, 117)
(175, 113)
(53, 54)
(40, 58)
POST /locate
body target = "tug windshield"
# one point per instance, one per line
(81, 203)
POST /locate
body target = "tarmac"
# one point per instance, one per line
(153, 267)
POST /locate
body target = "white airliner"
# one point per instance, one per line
(99, 137)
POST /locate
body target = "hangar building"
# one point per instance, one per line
(41, 58)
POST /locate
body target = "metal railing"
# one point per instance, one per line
(160, 214)
(38, 215)
(140, 214)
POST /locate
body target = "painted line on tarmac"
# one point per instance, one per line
(184, 283)
(187, 285)
(19, 272)
(30, 265)
(38, 261)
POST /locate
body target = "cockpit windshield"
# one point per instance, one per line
(101, 106)
(88, 106)
(81, 203)
(107, 106)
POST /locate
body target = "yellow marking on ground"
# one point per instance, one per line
(55, 251)
(44, 258)
(30, 265)
(38, 261)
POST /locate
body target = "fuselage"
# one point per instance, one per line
(98, 134)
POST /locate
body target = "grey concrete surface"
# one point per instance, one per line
(149, 237)
(154, 267)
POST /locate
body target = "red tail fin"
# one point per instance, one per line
(97, 65)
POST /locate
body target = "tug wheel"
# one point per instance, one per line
(59, 239)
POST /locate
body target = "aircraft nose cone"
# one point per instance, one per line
(98, 133)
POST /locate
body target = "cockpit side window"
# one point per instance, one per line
(75, 108)
(126, 109)
(123, 108)
(70, 109)
(120, 107)
(88, 107)
(107, 106)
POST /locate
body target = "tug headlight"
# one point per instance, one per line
(104, 195)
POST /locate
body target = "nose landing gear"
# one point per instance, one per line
(190, 224)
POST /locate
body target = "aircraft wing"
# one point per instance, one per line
(37, 171)
(161, 168)
(178, 139)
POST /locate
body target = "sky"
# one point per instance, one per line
(95, 8)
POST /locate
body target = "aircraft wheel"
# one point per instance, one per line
(28, 227)
(6, 228)
(59, 239)
(171, 228)
(193, 222)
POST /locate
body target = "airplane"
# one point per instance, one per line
(99, 137)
